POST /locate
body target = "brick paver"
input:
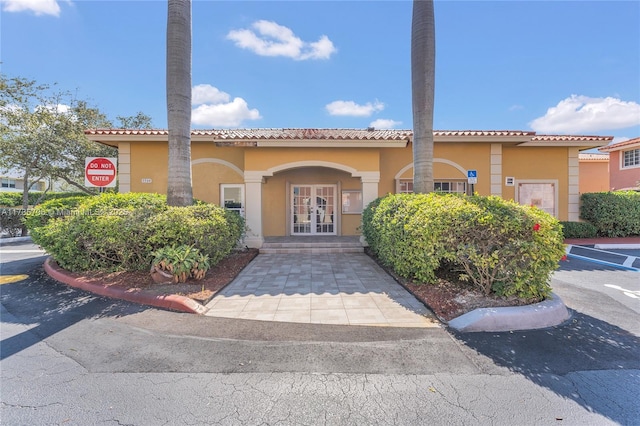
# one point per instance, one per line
(345, 288)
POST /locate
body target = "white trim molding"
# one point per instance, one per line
(218, 161)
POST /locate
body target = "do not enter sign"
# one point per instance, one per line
(100, 172)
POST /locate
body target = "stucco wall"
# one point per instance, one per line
(594, 176)
(276, 198)
(537, 164)
(622, 178)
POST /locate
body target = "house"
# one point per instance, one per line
(624, 164)
(300, 182)
(13, 182)
(594, 172)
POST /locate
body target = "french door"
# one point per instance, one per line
(313, 209)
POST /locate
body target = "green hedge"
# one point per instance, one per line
(614, 214)
(14, 199)
(499, 246)
(578, 230)
(120, 232)
(11, 222)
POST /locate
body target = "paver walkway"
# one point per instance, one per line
(348, 288)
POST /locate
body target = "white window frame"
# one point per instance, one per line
(240, 186)
(8, 183)
(352, 201)
(399, 183)
(632, 166)
(553, 182)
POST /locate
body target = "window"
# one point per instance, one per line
(631, 158)
(8, 183)
(405, 186)
(232, 197)
(352, 202)
(451, 187)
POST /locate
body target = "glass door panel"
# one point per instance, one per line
(301, 206)
(313, 209)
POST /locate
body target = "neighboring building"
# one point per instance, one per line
(13, 183)
(594, 172)
(317, 181)
(624, 164)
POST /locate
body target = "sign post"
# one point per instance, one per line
(100, 172)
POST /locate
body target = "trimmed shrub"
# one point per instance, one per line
(578, 230)
(11, 222)
(121, 231)
(614, 214)
(508, 249)
(499, 246)
(209, 228)
(53, 208)
(14, 199)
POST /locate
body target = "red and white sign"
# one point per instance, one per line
(100, 172)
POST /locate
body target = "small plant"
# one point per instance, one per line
(182, 262)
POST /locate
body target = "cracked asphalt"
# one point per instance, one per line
(71, 358)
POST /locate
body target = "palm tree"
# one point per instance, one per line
(179, 190)
(423, 64)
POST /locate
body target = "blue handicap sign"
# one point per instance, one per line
(472, 173)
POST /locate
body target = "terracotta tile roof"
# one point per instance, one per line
(588, 156)
(275, 134)
(348, 134)
(620, 145)
(570, 138)
(482, 133)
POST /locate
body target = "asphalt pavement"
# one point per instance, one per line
(70, 357)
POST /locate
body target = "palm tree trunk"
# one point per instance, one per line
(423, 64)
(179, 190)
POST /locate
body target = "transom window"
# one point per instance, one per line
(631, 158)
(405, 186)
(452, 186)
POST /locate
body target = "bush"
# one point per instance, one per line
(11, 222)
(14, 199)
(209, 228)
(56, 207)
(499, 246)
(614, 214)
(578, 230)
(121, 232)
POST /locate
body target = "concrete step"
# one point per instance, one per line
(310, 250)
(289, 246)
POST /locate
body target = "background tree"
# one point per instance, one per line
(423, 65)
(179, 190)
(42, 133)
(138, 121)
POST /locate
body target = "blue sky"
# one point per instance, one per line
(550, 66)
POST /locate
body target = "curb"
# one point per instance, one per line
(10, 240)
(172, 302)
(548, 313)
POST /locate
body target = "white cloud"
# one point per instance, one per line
(578, 114)
(206, 93)
(384, 123)
(39, 7)
(215, 110)
(353, 109)
(515, 107)
(271, 39)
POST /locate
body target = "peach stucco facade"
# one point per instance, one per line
(316, 181)
(624, 165)
(594, 172)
